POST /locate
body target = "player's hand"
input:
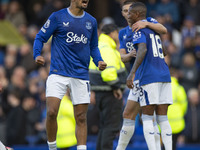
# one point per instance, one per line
(117, 93)
(129, 81)
(40, 60)
(102, 65)
(133, 53)
(139, 25)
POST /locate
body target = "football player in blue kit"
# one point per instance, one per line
(128, 54)
(74, 40)
(154, 79)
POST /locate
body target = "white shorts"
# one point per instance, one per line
(156, 93)
(56, 86)
(135, 92)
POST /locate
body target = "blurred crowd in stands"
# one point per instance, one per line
(22, 103)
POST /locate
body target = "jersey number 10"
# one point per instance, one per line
(156, 46)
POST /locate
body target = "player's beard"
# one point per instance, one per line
(83, 8)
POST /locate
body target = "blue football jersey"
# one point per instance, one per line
(153, 68)
(126, 41)
(126, 38)
(74, 40)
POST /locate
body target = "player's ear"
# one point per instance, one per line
(137, 14)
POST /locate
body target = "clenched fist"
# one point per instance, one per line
(39, 60)
(129, 81)
(102, 65)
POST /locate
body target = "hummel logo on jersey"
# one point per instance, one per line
(124, 36)
(66, 24)
(71, 37)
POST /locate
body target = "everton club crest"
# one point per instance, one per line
(88, 25)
